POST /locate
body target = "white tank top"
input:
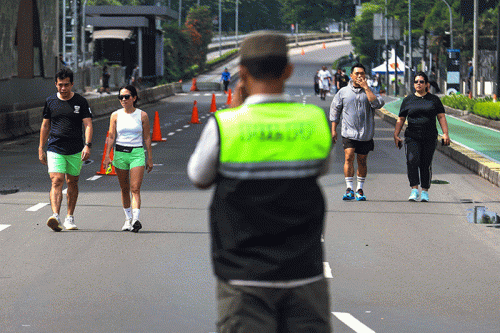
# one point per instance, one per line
(129, 128)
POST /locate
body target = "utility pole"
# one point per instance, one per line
(236, 29)
(475, 61)
(498, 55)
(410, 65)
(387, 57)
(180, 12)
(451, 24)
(220, 29)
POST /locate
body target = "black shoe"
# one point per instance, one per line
(136, 226)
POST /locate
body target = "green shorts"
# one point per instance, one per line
(131, 158)
(67, 164)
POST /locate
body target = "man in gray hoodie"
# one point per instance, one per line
(356, 103)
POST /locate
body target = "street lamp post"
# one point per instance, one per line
(451, 24)
(220, 28)
(236, 23)
(180, 12)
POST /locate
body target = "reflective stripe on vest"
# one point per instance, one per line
(273, 140)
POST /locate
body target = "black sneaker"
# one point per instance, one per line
(136, 226)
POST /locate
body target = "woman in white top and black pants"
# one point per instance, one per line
(129, 127)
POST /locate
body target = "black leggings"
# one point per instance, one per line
(419, 155)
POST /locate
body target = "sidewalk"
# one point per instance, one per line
(475, 146)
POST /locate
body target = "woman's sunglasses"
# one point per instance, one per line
(419, 81)
(120, 97)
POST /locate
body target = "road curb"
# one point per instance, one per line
(482, 166)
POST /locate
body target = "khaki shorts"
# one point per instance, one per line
(269, 310)
(67, 164)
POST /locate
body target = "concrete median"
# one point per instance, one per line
(14, 124)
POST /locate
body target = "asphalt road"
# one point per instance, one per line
(392, 265)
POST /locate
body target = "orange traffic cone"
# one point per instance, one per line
(193, 86)
(213, 107)
(156, 137)
(111, 155)
(324, 46)
(302, 52)
(229, 99)
(194, 115)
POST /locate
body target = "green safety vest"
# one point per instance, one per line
(272, 140)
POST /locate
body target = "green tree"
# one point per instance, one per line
(199, 29)
(176, 58)
(362, 33)
(312, 13)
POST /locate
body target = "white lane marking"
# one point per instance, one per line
(322, 238)
(197, 94)
(327, 271)
(37, 207)
(207, 94)
(154, 143)
(65, 191)
(186, 126)
(179, 130)
(94, 178)
(4, 226)
(157, 164)
(352, 322)
(301, 92)
(171, 133)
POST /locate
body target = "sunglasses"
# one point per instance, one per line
(419, 81)
(120, 97)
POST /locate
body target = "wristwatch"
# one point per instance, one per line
(89, 144)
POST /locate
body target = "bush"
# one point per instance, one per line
(489, 110)
(462, 102)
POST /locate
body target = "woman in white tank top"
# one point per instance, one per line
(129, 129)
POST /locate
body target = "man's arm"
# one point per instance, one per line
(202, 165)
(335, 112)
(89, 131)
(44, 135)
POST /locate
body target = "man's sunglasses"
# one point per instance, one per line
(120, 97)
(419, 81)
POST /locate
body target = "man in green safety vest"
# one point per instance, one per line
(267, 214)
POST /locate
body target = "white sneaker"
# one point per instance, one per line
(127, 226)
(69, 223)
(54, 223)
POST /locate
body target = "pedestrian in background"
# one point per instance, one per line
(267, 211)
(63, 116)
(316, 83)
(376, 83)
(105, 80)
(325, 80)
(135, 80)
(129, 128)
(356, 103)
(343, 80)
(421, 109)
(336, 79)
(226, 79)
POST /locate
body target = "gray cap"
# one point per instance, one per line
(263, 44)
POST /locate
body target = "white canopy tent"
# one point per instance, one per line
(392, 65)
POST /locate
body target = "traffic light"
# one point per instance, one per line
(446, 41)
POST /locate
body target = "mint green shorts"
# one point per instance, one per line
(67, 164)
(126, 161)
